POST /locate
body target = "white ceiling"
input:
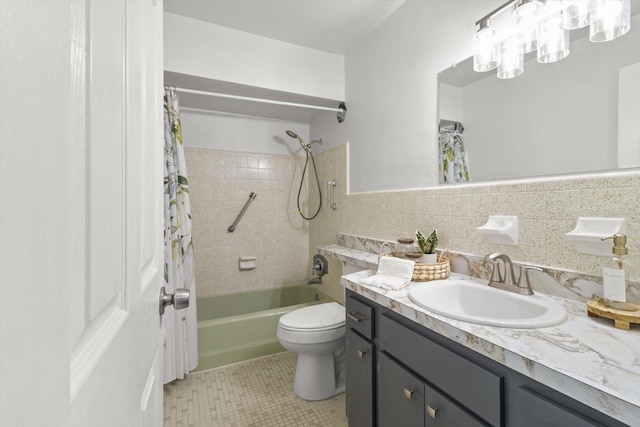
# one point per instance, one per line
(327, 25)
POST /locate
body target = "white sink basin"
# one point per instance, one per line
(478, 303)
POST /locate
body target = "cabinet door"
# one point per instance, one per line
(400, 395)
(442, 412)
(536, 410)
(463, 380)
(360, 380)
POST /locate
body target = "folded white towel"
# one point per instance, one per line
(393, 274)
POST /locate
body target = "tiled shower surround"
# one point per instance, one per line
(271, 230)
(546, 209)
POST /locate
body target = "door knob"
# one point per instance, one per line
(179, 300)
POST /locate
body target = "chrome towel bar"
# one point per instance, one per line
(330, 185)
(232, 227)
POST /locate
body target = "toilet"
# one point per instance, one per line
(317, 334)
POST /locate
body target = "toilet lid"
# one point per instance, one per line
(316, 317)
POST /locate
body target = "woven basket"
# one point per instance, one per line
(424, 272)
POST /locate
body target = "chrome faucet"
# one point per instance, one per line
(508, 283)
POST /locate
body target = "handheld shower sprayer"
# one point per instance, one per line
(307, 149)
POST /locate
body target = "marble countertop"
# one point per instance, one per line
(356, 257)
(585, 358)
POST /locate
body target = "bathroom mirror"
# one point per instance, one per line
(581, 114)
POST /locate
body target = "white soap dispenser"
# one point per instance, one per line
(616, 275)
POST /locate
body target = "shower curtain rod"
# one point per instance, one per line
(266, 101)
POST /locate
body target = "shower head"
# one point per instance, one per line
(294, 135)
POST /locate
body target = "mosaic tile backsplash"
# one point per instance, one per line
(546, 208)
(271, 230)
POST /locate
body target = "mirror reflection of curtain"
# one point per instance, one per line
(453, 158)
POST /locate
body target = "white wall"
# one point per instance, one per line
(391, 93)
(206, 50)
(220, 131)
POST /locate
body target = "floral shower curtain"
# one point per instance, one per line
(181, 343)
(453, 159)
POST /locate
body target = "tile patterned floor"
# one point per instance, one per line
(256, 393)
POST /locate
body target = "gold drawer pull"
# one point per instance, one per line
(408, 394)
(361, 354)
(432, 411)
(357, 317)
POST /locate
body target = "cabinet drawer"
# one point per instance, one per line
(400, 395)
(476, 388)
(360, 380)
(360, 317)
(537, 410)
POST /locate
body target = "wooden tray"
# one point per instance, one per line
(621, 319)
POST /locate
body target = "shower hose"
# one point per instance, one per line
(307, 149)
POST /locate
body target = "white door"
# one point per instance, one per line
(80, 213)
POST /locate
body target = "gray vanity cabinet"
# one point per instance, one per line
(400, 373)
(360, 377)
(361, 362)
(478, 390)
(535, 409)
(405, 400)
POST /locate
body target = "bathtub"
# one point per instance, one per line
(242, 326)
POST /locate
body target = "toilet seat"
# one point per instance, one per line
(315, 318)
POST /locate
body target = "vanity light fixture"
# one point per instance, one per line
(544, 26)
(611, 19)
(577, 13)
(487, 52)
(512, 59)
(553, 42)
(525, 23)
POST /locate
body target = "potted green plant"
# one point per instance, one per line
(428, 247)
